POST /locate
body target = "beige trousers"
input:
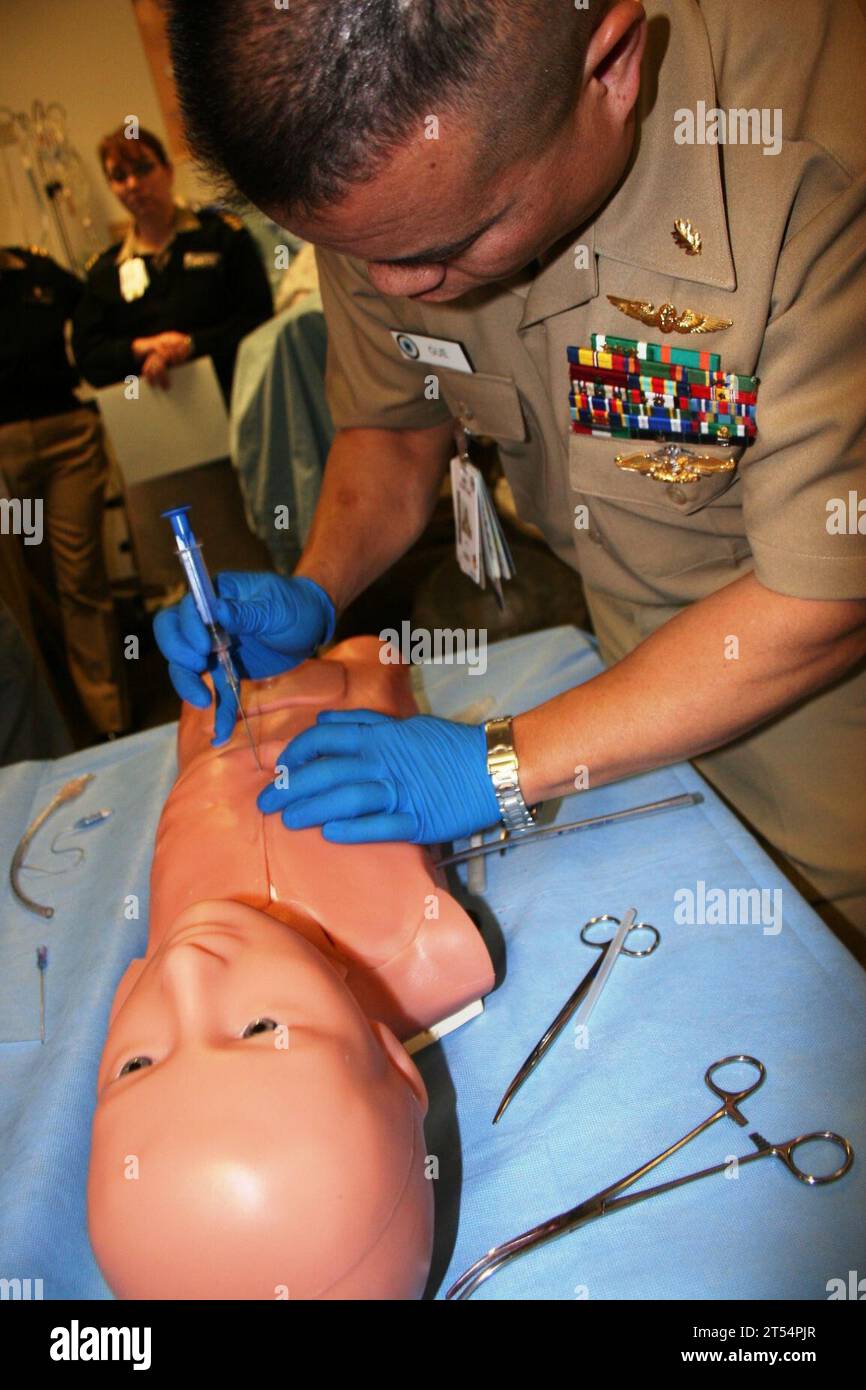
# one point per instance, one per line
(61, 460)
(798, 782)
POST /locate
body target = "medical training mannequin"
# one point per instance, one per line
(258, 1131)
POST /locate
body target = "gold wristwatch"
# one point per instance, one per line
(502, 765)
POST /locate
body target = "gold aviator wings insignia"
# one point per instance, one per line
(668, 318)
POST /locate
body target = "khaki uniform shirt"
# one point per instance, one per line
(784, 258)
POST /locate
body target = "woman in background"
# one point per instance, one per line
(179, 285)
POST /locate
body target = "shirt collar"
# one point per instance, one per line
(185, 220)
(664, 180)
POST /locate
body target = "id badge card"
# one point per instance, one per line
(134, 278)
(465, 480)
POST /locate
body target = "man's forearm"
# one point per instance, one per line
(717, 670)
(378, 493)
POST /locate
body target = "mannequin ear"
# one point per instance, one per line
(128, 980)
(399, 1057)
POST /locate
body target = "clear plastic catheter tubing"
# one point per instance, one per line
(68, 792)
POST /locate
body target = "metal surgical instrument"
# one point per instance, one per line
(586, 994)
(608, 1200)
(528, 837)
(204, 598)
(68, 792)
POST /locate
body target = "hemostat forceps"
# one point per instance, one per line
(608, 1200)
(587, 991)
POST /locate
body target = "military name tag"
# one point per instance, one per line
(437, 352)
(134, 278)
(201, 260)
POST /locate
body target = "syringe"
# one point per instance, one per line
(204, 598)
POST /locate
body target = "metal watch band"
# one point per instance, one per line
(502, 765)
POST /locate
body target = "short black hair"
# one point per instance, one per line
(289, 105)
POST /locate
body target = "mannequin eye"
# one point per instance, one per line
(135, 1064)
(259, 1025)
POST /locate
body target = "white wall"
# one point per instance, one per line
(86, 54)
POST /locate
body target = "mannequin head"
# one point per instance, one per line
(256, 1135)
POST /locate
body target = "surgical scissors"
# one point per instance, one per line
(607, 1201)
(596, 977)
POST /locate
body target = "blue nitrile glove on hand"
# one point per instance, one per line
(365, 777)
(275, 623)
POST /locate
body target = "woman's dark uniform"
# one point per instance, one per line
(208, 281)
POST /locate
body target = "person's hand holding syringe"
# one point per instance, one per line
(197, 634)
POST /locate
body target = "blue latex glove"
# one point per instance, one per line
(364, 776)
(276, 623)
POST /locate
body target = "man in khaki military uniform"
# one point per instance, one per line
(733, 608)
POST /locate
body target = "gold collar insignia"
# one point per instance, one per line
(687, 237)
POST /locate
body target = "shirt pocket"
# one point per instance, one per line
(661, 529)
(486, 403)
